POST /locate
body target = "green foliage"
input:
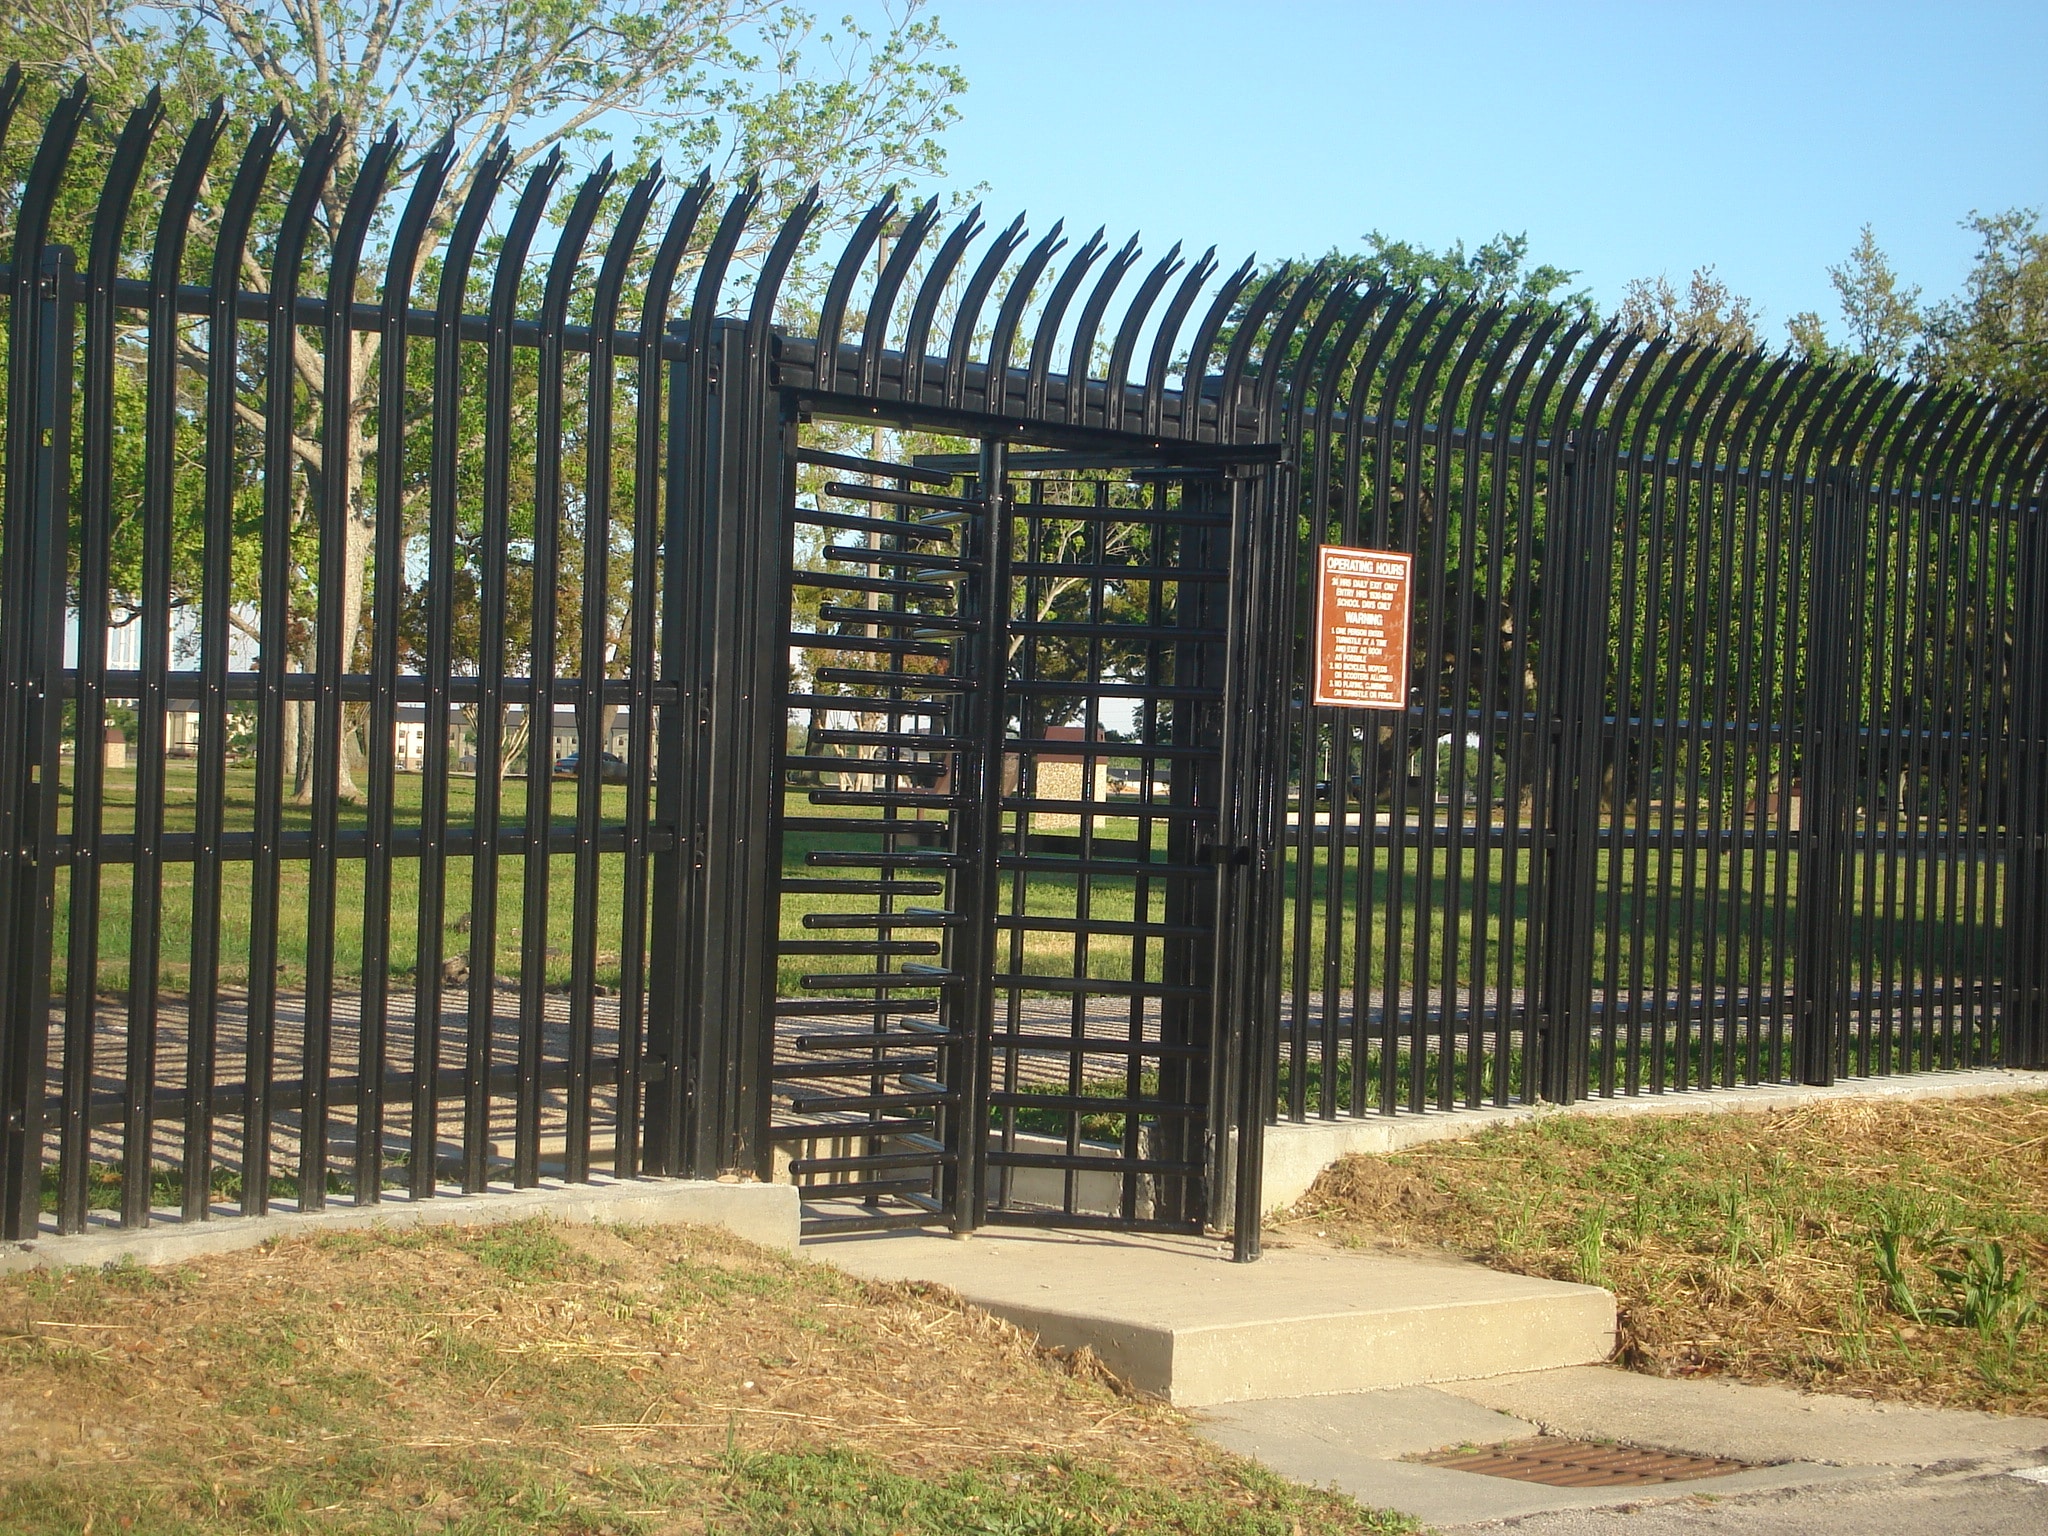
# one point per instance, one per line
(1992, 334)
(1975, 1283)
(1495, 272)
(1708, 313)
(743, 86)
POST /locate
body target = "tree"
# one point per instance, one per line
(1882, 314)
(1992, 335)
(1709, 313)
(1498, 271)
(744, 86)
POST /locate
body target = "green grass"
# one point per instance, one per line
(533, 1380)
(1887, 1249)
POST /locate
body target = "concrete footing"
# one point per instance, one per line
(761, 1213)
(1175, 1318)
(1295, 1154)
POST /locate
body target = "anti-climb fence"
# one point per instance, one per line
(407, 750)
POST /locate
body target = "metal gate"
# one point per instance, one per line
(997, 997)
(1722, 758)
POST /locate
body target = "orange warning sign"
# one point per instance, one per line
(1362, 627)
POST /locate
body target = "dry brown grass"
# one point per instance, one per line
(1756, 1246)
(540, 1378)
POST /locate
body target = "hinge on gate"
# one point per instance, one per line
(1224, 855)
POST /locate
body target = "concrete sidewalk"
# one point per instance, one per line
(1174, 1317)
(1817, 1463)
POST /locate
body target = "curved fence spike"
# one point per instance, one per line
(1121, 350)
(961, 342)
(1168, 332)
(917, 334)
(775, 269)
(832, 313)
(874, 336)
(12, 90)
(1256, 308)
(1002, 340)
(1194, 378)
(661, 273)
(1049, 318)
(725, 243)
(1081, 353)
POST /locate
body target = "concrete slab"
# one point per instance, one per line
(1176, 1318)
(1295, 1154)
(761, 1213)
(1710, 1417)
(1823, 1452)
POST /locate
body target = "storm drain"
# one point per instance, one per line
(1559, 1463)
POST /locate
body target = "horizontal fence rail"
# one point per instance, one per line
(1724, 756)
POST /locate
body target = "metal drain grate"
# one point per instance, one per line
(1560, 1463)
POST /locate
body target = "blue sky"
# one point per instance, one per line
(1625, 139)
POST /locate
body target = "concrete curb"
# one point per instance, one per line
(1296, 1154)
(761, 1213)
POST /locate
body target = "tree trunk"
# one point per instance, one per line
(292, 754)
(298, 725)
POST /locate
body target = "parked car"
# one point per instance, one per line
(610, 769)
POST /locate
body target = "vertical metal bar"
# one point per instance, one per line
(222, 474)
(266, 895)
(1636, 649)
(36, 530)
(636, 999)
(401, 264)
(593, 712)
(332, 496)
(1529, 747)
(767, 429)
(443, 511)
(1472, 719)
(494, 599)
(544, 616)
(984, 603)
(159, 473)
(88, 773)
(1579, 561)
(1821, 1003)
(1499, 697)
(1435, 957)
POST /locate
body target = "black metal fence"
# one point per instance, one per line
(1723, 760)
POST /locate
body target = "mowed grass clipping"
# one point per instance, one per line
(534, 1378)
(1890, 1250)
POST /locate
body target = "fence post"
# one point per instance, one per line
(38, 513)
(720, 755)
(1828, 753)
(1575, 614)
(2024, 1036)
